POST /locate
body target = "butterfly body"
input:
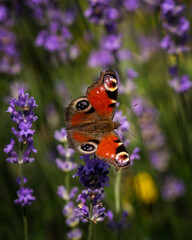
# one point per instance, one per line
(90, 126)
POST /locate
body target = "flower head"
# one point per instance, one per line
(22, 114)
(98, 212)
(25, 196)
(24, 193)
(94, 174)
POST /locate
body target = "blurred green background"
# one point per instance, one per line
(151, 216)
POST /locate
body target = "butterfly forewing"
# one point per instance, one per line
(103, 94)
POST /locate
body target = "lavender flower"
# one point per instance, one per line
(10, 62)
(61, 135)
(176, 39)
(24, 194)
(24, 119)
(66, 164)
(10, 56)
(98, 212)
(55, 36)
(173, 19)
(173, 188)
(100, 12)
(62, 193)
(180, 84)
(93, 176)
(103, 13)
(22, 114)
(134, 155)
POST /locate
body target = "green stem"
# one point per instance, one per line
(67, 181)
(117, 192)
(157, 26)
(90, 233)
(25, 223)
(178, 63)
(84, 20)
(20, 164)
(67, 174)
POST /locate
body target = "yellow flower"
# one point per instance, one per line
(145, 188)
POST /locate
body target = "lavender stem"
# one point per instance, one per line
(117, 191)
(90, 233)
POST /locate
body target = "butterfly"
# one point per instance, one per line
(89, 122)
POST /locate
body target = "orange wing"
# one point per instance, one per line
(111, 149)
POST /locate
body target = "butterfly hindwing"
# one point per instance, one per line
(103, 94)
(111, 149)
(82, 142)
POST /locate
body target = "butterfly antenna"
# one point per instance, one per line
(132, 108)
(140, 139)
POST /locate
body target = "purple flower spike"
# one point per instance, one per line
(22, 114)
(93, 176)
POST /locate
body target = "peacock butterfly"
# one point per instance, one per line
(89, 124)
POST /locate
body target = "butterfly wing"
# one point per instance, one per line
(102, 95)
(111, 149)
(79, 118)
(82, 142)
(80, 111)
